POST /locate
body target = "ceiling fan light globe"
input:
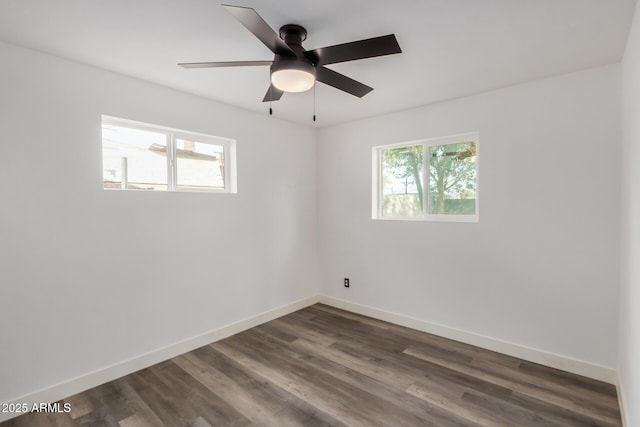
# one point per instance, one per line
(292, 80)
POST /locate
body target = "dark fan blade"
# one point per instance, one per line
(342, 82)
(224, 64)
(369, 48)
(254, 23)
(273, 94)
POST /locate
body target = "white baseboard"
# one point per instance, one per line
(580, 367)
(622, 402)
(110, 373)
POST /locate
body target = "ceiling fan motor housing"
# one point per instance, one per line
(293, 34)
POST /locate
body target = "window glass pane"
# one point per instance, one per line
(199, 165)
(402, 181)
(452, 179)
(134, 159)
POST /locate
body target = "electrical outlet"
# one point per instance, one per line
(346, 282)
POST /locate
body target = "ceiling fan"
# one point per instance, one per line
(294, 69)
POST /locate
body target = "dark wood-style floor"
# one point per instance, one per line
(324, 366)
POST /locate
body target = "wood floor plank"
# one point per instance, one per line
(362, 395)
(605, 401)
(426, 371)
(138, 406)
(337, 401)
(366, 367)
(199, 422)
(299, 331)
(169, 406)
(259, 400)
(595, 409)
(135, 420)
(450, 399)
(40, 419)
(367, 378)
(509, 413)
(557, 414)
(322, 366)
(237, 396)
(108, 406)
(204, 404)
(80, 404)
(292, 384)
(581, 383)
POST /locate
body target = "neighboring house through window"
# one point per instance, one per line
(139, 156)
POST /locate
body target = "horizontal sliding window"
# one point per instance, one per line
(435, 179)
(139, 156)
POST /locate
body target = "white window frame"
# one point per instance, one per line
(172, 135)
(376, 166)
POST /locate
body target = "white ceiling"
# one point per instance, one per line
(451, 48)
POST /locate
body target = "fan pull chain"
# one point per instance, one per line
(270, 99)
(314, 102)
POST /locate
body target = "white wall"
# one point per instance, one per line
(88, 277)
(630, 231)
(541, 267)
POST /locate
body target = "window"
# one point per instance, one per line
(138, 156)
(434, 179)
